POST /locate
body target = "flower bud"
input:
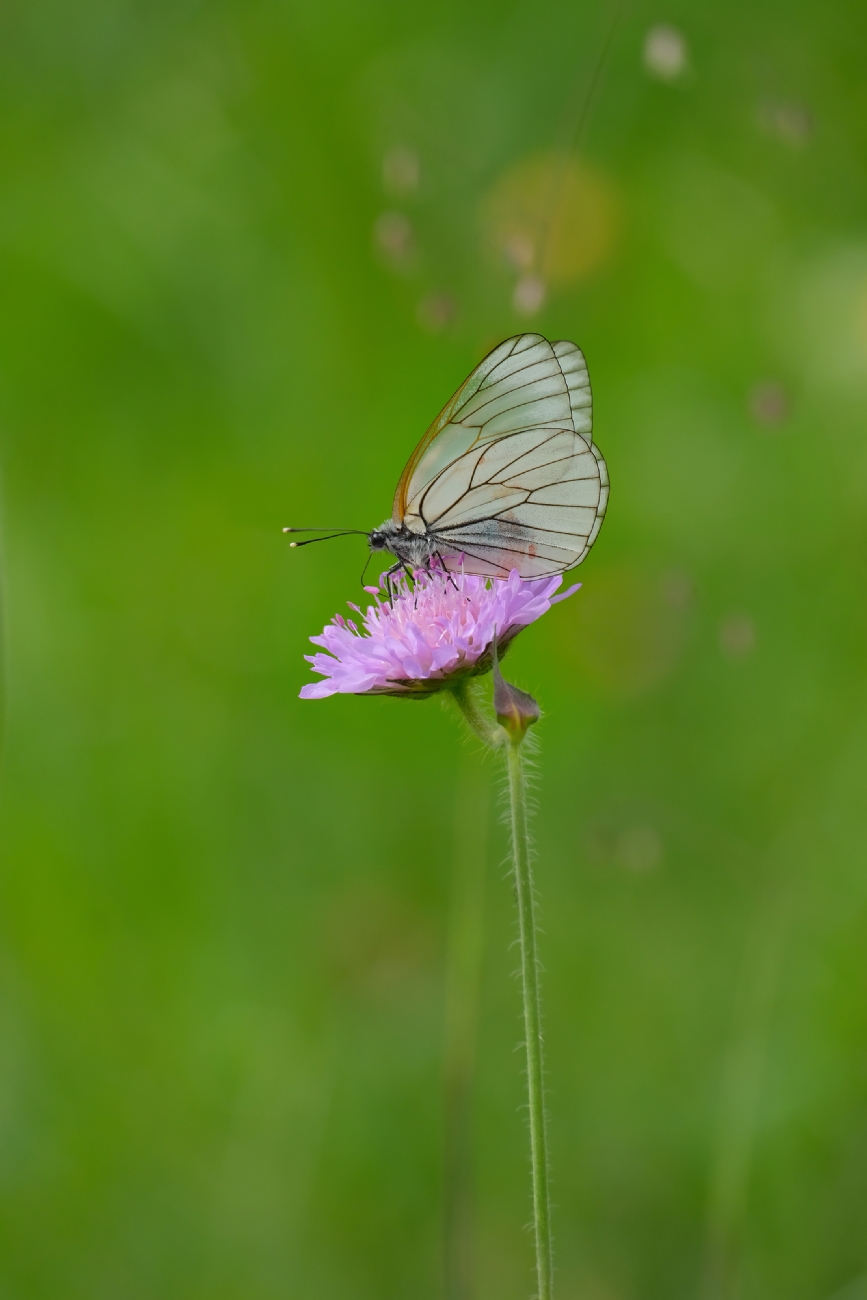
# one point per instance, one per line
(515, 709)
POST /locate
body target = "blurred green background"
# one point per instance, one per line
(247, 251)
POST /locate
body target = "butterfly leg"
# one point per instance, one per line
(446, 571)
(391, 574)
(411, 576)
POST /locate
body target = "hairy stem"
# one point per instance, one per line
(532, 1017)
(467, 700)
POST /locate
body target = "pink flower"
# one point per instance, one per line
(439, 628)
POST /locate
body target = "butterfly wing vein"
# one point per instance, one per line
(508, 476)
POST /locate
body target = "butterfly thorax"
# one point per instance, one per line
(411, 548)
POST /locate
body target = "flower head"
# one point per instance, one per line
(440, 627)
(515, 709)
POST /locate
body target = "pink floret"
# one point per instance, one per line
(441, 627)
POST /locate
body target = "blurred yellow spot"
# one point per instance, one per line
(553, 219)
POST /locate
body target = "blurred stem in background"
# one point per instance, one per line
(464, 954)
(743, 1076)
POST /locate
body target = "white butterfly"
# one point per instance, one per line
(507, 476)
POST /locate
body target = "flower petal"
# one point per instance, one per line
(418, 636)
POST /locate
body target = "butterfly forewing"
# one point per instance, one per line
(507, 477)
(445, 418)
(574, 369)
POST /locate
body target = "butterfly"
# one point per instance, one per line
(507, 476)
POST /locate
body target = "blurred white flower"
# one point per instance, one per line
(529, 294)
(665, 52)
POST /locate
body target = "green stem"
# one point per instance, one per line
(532, 1017)
(477, 720)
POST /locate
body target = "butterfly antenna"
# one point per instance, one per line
(366, 563)
(329, 537)
(329, 533)
(341, 531)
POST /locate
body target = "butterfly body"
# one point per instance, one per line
(411, 549)
(508, 476)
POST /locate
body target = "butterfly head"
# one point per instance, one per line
(381, 538)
